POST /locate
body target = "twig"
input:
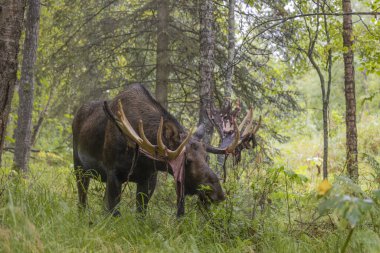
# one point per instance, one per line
(81, 26)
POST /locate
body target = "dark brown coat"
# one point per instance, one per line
(100, 149)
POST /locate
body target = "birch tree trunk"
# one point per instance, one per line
(325, 89)
(26, 90)
(206, 67)
(11, 19)
(349, 90)
(162, 60)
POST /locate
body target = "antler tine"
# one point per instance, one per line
(178, 151)
(125, 126)
(162, 148)
(128, 130)
(257, 126)
(142, 141)
(160, 143)
(247, 117)
(247, 130)
(234, 144)
(147, 145)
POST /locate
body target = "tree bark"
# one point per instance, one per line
(325, 106)
(326, 97)
(11, 19)
(26, 90)
(206, 67)
(349, 90)
(229, 71)
(162, 60)
(231, 49)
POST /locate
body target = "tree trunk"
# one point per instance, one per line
(349, 90)
(326, 97)
(162, 60)
(11, 19)
(206, 67)
(325, 138)
(229, 71)
(325, 90)
(26, 90)
(231, 49)
(325, 106)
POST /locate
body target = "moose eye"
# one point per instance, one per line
(187, 161)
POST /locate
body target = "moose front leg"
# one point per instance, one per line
(180, 206)
(144, 192)
(112, 194)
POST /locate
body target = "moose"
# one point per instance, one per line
(132, 137)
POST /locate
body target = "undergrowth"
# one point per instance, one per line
(269, 209)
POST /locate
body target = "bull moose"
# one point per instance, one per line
(106, 145)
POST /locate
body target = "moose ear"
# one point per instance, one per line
(170, 131)
(200, 132)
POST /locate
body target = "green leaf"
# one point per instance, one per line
(353, 216)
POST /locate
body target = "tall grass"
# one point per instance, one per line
(268, 209)
(39, 214)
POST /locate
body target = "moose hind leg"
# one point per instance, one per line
(82, 179)
(144, 192)
(83, 182)
(112, 194)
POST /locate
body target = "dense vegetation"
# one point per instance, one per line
(277, 201)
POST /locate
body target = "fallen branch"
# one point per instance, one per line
(12, 150)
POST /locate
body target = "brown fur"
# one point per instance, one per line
(101, 150)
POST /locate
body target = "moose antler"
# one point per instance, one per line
(230, 148)
(247, 124)
(142, 141)
(243, 133)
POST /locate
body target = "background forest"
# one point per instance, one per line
(310, 185)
